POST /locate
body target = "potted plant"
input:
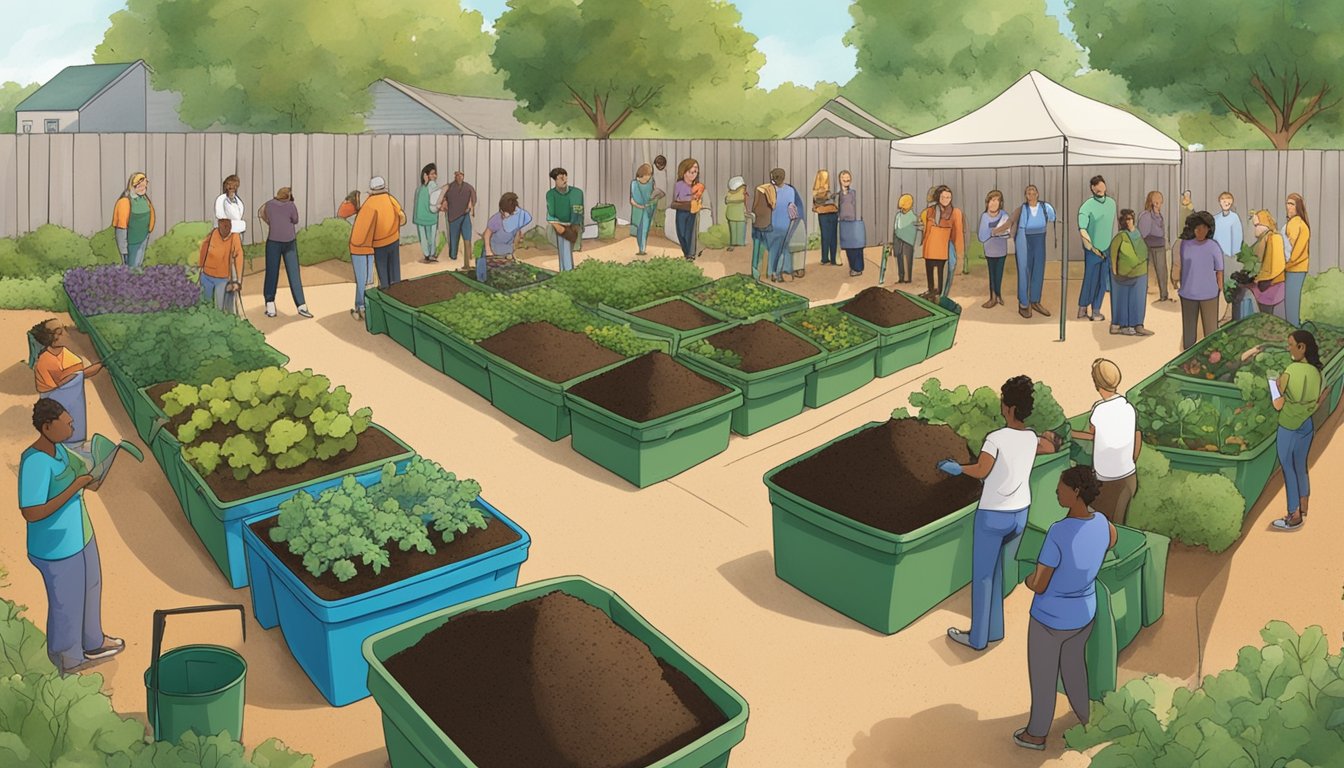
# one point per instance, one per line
(333, 568)
(904, 327)
(397, 305)
(742, 298)
(851, 352)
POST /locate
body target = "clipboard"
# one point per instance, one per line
(1274, 393)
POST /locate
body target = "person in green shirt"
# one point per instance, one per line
(735, 212)
(1300, 394)
(1096, 224)
(1129, 297)
(426, 213)
(564, 212)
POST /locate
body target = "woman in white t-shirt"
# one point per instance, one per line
(1005, 467)
(230, 206)
(1116, 442)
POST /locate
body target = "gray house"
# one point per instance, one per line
(841, 117)
(400, 108)
(100, 98)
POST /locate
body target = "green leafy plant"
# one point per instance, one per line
(741, 297)
(710, 352)
(1281, 706)
(352, 524)
(829, 327)
(1256, 344)
(189, 346)
(179, 245)
(1199, 510)
(973, 414)
(715, 237)
(273, 418)
(625, 286)
(621, 339)
(514, 275)
(477, 315)
(1323, 298)
(324, 241)
(33, 293)
(1169, 417)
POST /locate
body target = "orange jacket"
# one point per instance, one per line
(121, 213)
(378, 223)
(937, 238)
(216, 252)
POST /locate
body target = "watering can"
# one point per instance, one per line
(195, 688)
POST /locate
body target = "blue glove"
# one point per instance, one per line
(950, 467)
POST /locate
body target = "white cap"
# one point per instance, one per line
(736, 183)
(377, 184)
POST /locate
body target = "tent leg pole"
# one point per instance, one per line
(1064, 248)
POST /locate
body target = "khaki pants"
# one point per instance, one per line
(1193, 312)
(1115, 496)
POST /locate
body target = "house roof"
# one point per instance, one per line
(73, 87)
(849, 118)
(485, 117)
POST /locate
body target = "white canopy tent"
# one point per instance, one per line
(1038, 122)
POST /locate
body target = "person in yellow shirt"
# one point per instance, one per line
(378, 227)
(1298, 256)
(221, 264)
(1268, 285)
(59, 375)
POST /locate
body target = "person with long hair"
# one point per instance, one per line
(1298, 232)
(1268, 288)
(361, 257)
(1299, 395)
(683, 200)
(828, 215)
(1153, 228)
(642, 206)
(1198, 276)
(230, 206)
(426, 215)
(944, 233)
(784, 218)
(1065, 604)
(133, 220)
(1129, 294)
(852, 235)
(1029, 225)
(993, 233)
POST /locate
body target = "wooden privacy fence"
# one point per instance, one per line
(74, 179)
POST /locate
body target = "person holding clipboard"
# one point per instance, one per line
(1296, 395)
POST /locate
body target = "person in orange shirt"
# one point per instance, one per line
(221, 264)
(944, 231)
(377, 230)
(59, 375)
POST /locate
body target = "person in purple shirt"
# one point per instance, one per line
(1197, 273)
(281, 216)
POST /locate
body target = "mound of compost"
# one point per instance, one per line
(884, 308)
(553, 354)
(648, 387)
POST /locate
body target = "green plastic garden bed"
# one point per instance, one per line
(792, 301)
(942, 329)
(451, 354)
(901, 346)
(536, 403)
(395, 318)
(840, 372)
(768, 397)
(414, 741)
(375, 319)
(675, 336)
(644, 453)
(81, 322)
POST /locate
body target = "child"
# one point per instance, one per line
(904, 229)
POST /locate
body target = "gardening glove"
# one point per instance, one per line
(950, 467)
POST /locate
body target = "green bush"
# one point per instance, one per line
(179, 245)
(188, 346)
(104, 247)
(47, 250)
(974, 414)
(324, 241)
(625, 286)
(1195, 509)
(1282, 705)
(33, 293)
(10, 265)
(1323, 298)
(535, 237)
(715, 237)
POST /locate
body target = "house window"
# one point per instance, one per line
(53, 126)
(27, 126)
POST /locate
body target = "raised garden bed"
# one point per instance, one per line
(630, 285)
(114, 288)
(675, 319)
(393, 310)
(583, 678)
(324, 619)
(851, 353)
(451, 355)
(742, 298)
(650, 418)
(903, 327)
(769, 363)
(515, 276)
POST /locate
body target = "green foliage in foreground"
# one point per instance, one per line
(974, 414)
(1199, 510)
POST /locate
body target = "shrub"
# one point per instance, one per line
(536, 237)
(625, 286)
(104, 247)
(179, 245)
(352, 523)
(1323, 298)
(974, 414)
(115, 288)
(1195, 509)
(1169, 417)
(47, 250)
(32, 293)
(477, 315)
(188, 346)
(324, 241)
(717, 237)
(1282, 705)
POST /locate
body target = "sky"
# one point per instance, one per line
(802, 39)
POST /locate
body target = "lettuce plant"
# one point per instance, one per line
(188, 346)
(834, 330)
(477, 315)
(625, 286)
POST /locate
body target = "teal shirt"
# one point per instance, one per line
(904, 226)
(560, 206)
(137, 229)
(424, 216)
(1097, 219)
(42, 478)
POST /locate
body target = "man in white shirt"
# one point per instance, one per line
(1116, 443)
(1005, 467)
(230, 206)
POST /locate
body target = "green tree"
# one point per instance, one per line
(11, 94)
(922, 66)
(604, 65)
(1271, 64)
(298, 65)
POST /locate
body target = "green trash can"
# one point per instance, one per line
(196, 688)
(605, 216)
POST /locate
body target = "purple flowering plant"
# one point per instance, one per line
(117, 288)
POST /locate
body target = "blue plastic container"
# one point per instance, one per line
(326, 637)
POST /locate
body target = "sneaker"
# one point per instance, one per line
(1127, 331)
(1021, 742)
(303, 311)
(111, 647)
(962, 637)
(1115, 330)
(1082, 314)
(1037, 306)
(270, 309)
(1098, 317)
(1139, 330)
(1286, 525)
(852, 273)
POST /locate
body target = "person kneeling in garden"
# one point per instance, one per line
(61, 544)
(221, 264)
(1065, 605)
(503, 233)
(1000, 518)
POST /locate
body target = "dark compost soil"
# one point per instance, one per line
(887, 476)
(884, 308)
(423, 291)
(648, 387)
(404, 565)
(762, 345)
(372, 446)
(552, 682)
(549, 352)
(676, 314)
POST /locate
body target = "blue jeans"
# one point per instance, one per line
(1292, 297)
(74, 605)
(387, 260)
(1128, 301)
(135, 254)
(686, 232)
(855, 258)
(760, 248)
(997, 535)
(565, 250)
(641, 228)
(428, 239)
(459, 229)
(212, 289)
(781, 260)
(1294, 445)
(1096, 279)
(363, 266)
(830, 235)
(290, 253)
(996, 265)
(1031, 270)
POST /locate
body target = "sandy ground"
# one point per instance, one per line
(693, 554)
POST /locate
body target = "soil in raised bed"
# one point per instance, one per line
(404, 565)
(648, 387)
(762, 345)
(552, 353)
(552, 682)
(676, 314)
(887, 476)
(372, 446)
(424, 291)
(884, 308)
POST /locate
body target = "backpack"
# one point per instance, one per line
(761, 211)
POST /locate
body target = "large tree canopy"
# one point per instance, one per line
(1272, 64)
(922, 66)
(11, 94)
(298, 65)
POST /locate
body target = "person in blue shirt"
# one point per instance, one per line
(1227, 231)
(61, 544)
(787, 210)
(1065, 605)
